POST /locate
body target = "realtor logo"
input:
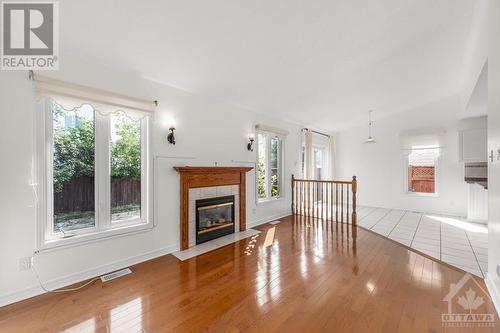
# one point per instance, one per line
(467, 305)
(29, 35)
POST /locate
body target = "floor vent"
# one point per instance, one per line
(275, 222)
(115, 275)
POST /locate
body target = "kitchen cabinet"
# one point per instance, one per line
(473, 145)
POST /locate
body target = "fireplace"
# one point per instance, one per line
(202, 177)
(214, 218)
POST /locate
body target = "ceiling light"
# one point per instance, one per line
(370, 138)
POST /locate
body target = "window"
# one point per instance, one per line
(93, 168)
(319, 163)
(269, 166)
(125, 150)
(303, 161)
(316, 155)
(73, 169)
(421, 170)
(319, 160)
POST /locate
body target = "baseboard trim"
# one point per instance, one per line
(62, 282)
(269, 219)
(494, 292)
(84, 275)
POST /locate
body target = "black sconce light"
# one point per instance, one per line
(170, 136)
(250, 143)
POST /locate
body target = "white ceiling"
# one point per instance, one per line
(319, 63)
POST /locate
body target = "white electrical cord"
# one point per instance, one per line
(58, 290)
(34, 185)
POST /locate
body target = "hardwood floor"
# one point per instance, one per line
(313, 277)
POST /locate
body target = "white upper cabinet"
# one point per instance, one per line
(474, 145)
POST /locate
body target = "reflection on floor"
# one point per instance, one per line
(449, 239)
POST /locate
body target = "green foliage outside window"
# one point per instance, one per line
(268, 170)
(274, 167)
(261, 171)
(126, 151)
(274, 189)
(74, 151)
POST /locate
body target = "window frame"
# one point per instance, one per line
(268, 136)
(43, 186)
(436, 174)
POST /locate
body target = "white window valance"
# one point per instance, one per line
(431, 139)
(272, 130)
(71, 96)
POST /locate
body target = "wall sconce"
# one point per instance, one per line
(251, 139)
(170, 136)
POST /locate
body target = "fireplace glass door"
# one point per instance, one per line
(214, 218)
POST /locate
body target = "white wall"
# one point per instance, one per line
(207, 131)
(477, 53)
(493, 278)
(380, 167)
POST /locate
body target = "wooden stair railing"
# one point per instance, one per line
(333, 200)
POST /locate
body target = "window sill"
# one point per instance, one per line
(77, 240)
(266, 201)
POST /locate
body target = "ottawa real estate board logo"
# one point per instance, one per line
(30, 35)
(467, 305)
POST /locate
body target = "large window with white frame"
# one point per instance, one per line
(421, 170)
(319, 160)
(269, 166)
(321, 156)
(422, 150)
(93, 171)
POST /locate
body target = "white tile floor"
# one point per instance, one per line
(214, 244)
(449, 239)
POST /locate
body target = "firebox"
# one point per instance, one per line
(214, 218)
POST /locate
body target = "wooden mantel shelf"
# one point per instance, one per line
(214, 169)
(196, 177)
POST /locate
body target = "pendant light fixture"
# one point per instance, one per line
(370, 138)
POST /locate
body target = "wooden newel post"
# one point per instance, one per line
(354, 190)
